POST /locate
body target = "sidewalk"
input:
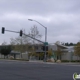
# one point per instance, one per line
(41, 61)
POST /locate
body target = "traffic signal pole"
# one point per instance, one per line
(45, 55)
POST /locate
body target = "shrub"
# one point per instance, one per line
(70, 60)
(5, 50)
(75, 61)
(65, 61)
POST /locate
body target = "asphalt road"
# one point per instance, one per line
(20, 70)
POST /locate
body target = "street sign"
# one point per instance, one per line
(45, 43)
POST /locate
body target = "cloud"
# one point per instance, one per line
(61, 17)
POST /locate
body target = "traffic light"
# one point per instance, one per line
(43, 48)
(21, 32)
(3, 30)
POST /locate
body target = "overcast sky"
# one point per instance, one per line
(61, 17)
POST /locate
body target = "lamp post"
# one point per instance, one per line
(45, 34)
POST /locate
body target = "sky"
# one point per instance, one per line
(61, 17)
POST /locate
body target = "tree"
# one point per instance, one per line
(20, 44)
(4, 43)
(35, 33)
(77, 49)
(58, 53)
(41, 55)
(5, 50)
(71, 44)
(32, 51)
(50, 53)
(67, 44)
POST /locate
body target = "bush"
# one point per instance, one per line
(75, 61)
(12, 58)
(70, 60)
(5, 50)
(22, 59)
(65, 61)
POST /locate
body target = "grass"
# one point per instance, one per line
(20, 59)
(15, 59)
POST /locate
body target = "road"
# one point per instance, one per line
(21, 70)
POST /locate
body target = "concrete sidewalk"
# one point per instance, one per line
(41, 61)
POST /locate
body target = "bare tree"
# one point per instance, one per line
(4, 43)
(34, 32)
(20, 43)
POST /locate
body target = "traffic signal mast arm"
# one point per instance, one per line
(21, 33)
(12, 31)
(33, 38)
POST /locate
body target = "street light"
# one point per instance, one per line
(45, 33)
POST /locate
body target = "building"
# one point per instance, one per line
(68, 52)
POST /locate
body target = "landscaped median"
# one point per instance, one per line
(53, 61)
(49, 60)
(19, 59)
(14, 59)
(73, 61)
(63, 61)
